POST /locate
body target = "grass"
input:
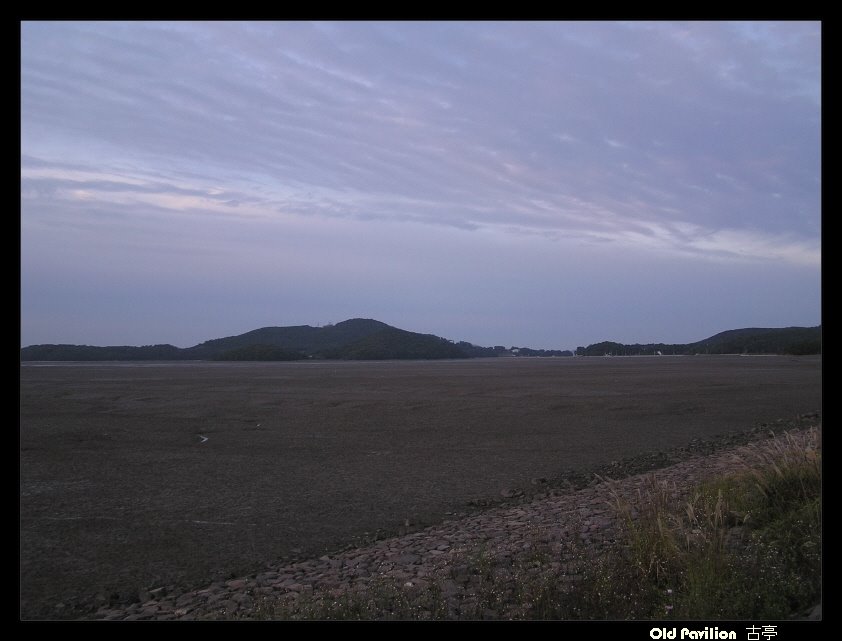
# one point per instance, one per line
(742, 546)
(747, 545)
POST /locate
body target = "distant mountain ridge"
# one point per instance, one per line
(302, 338)
(806, 340)
(367, 339)
(750, 340)
(353, 339)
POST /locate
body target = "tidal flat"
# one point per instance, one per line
(136, 475)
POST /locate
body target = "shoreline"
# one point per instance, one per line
(558, 512)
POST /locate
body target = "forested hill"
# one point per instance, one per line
(354, 339)
(754, 340)
(787, 340)
(366, 339)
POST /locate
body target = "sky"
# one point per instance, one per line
(533, 184)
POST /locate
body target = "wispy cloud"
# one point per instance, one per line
(694, 139)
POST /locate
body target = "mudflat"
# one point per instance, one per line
(136, 475)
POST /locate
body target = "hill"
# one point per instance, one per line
(311, 341)
(354, 339)
(752, 340)
(787, 340)
(93, 353)
(367, 339)
(392, 343)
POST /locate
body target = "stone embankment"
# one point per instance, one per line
(550, 519)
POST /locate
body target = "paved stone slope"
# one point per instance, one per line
(549, 520)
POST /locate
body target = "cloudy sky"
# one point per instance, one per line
(548, 184)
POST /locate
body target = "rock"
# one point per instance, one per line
(417, 584)
(244, 600)
(509, 493)
(449, 588)
(216, 598)
(230, 606)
